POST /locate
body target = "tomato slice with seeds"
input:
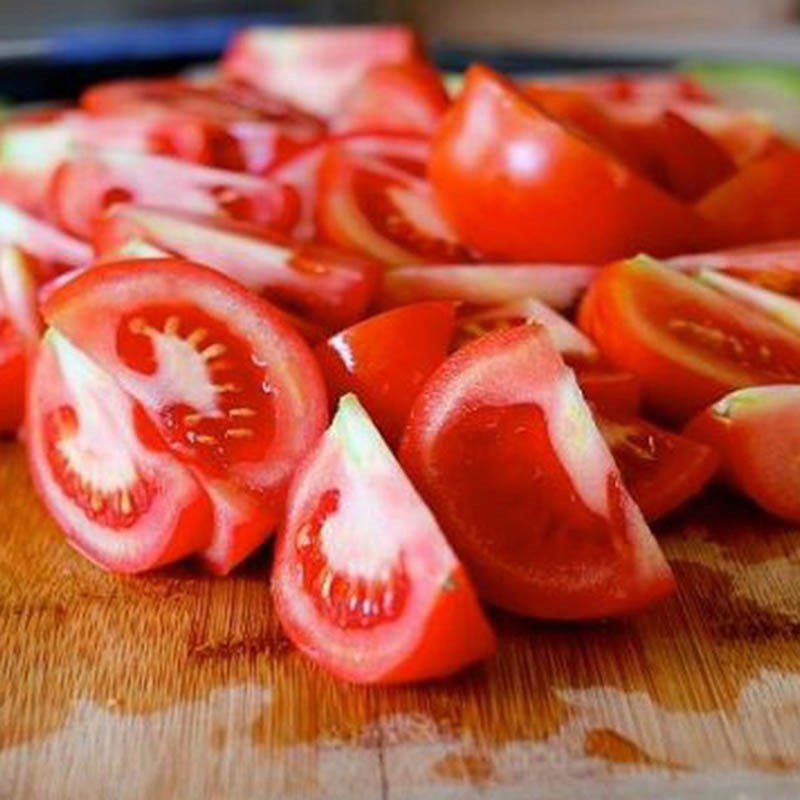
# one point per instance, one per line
(325, 284)
(660, 469)
(386, 359)
(688, 344)
(232, 388)
(364, 582)
(382, 211)
(502, 445)
(103, 471)
(756, 434)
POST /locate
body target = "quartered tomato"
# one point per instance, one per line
(364, 582)
(503, 447)
(331, 287)
(558, 285)
(315, 67)
(84, 186)
(232, 389)
(103, 471)
(518, 185)
(660, 469)
(384, 212)
(756, 433)
(407, 97)
(689, 344)
(386, 359)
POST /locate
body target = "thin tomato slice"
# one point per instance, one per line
(688, 344)
(102, 470)
(386, 359)
(364, 582)
(502, 446)
(756, 433)
(323, 283)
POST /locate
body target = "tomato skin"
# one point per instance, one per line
(425, 619)
(386, 359)
(495, 150)
(613, 391)
(688, 344)
(754, 431)
(551, 533)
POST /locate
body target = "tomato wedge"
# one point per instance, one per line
(364, 582)
(386, 359)
(552, 195)
(232, 389)
(381, 211)
(755, 431)
(688, 344)
(315, 67)
(503, 447)
(558, 285)
(102, 470)
(84, 186)
(660, 469)
(331, 287)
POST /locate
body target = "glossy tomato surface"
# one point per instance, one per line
(386, 359)
(689, 344)
(503, 447)
(364, 581)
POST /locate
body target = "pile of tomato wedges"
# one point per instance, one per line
(420, 335)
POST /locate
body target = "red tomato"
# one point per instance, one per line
(687, 343)
(374, 208)
(760, 203)
(499, 164)
(613, 391)
(83, 187)
(364, 582)
(231, 388)
(487, 284)
(332, 287)
(503, 447)
(315, 67)
(102, 470)
(661, 470)
(755, 432)
(406, 98)
(386, 359)
(636, 87)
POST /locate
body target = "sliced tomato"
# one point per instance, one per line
(614, 391)
(558, 285)
(102, 470)
(386, 359)
(83, 187)
(503, 447)
(364, 582)
(689, 344)
(381, 211)
(331, 287)
(755, 431)
(761, 203)
(233, 390)
(553, 195)
(661, 470)
(636, 87)
(315, 67)
(409, 98)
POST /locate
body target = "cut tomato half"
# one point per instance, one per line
(386, 359)
(103, 471)
(756, 432)
(364, 582)
(329, 286)
(384, 212)
(688, 344)
(503, 447)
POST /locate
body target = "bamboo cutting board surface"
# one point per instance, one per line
(181, 685)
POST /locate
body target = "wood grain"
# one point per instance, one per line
(181, 685)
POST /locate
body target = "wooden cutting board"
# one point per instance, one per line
(181, 685)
